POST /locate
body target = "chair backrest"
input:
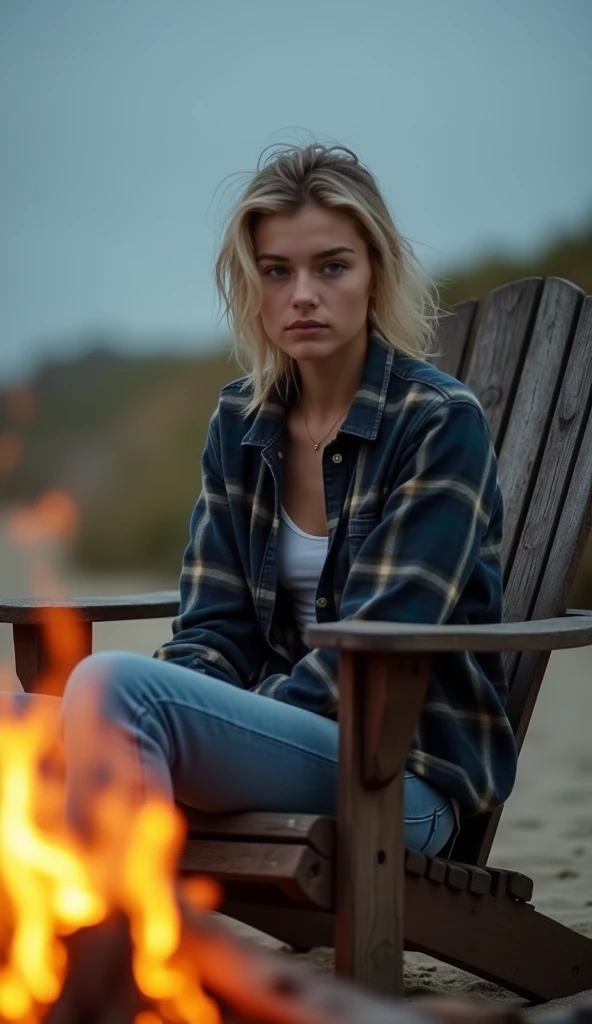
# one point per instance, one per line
(529, 362)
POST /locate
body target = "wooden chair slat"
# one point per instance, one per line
(415, 862)
(502, 337)
(479, 880)
(436, 870)
(552, 484)
(457, 877)
(454, 332)
(304, 829)
(298, 870)
(533, 414)
(511, 883)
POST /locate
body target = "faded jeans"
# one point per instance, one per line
(218, 748)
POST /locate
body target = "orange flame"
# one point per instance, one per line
(55, 514)
(52, 880)
(51, 883)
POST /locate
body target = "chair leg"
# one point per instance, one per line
(380, 701)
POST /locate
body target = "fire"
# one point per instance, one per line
(53, 882)
(56, 879)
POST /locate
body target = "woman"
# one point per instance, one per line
(343, 477)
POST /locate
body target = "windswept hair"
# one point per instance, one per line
(405, 310)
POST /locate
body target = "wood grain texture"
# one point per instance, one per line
(503, 940)
(555, 491)
(534, 413)
(161, 604)
(502, 336)
(454, 330)
(394, 690)
(533, 635)
(308, 829)
(297, 869)
(370, 852)
(567, 464)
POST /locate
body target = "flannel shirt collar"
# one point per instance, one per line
(365, 413)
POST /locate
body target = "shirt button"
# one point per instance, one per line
(321, 602)
(280, 455)
(337, 457)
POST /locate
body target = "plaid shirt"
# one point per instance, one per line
(414, 515)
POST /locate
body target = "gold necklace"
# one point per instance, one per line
(316, 444)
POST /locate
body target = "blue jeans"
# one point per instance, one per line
(217, 748)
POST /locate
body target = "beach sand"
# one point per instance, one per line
(546, 827)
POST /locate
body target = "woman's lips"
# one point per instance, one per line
(307, 332)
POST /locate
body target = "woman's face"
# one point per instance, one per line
(299, 283)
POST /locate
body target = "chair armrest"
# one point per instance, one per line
(533, 635)
(158, 605)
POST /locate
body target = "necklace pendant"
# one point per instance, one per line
(315, 447)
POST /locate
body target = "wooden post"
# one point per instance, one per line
(31, 657)
(380, 700)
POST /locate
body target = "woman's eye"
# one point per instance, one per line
(340, 266)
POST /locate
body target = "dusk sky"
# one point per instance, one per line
(124, 122)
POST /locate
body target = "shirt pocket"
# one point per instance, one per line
(358, 528)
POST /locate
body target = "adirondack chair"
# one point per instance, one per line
(312, 880)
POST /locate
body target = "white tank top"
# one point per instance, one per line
(301, 557)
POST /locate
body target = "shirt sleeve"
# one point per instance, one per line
(443, 514)
(216, 622)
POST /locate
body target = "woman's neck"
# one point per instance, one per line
(328, 387)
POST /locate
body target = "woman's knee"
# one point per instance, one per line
(104, 683)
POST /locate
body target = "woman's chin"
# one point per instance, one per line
(309, 349)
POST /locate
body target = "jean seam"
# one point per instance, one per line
(437, 815)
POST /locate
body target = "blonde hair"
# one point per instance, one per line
(405, 310)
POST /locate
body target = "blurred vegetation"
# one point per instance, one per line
(124, 434)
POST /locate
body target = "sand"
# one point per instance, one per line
(546, 828)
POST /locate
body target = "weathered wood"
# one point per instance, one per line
(533, 635)
(33, 662)
(553, 569)
(479, 879)
(436, 870)
(503, 940)
(454, 330)
(370, 843)
(298, 870)
(457, 877)
(306, 829)
(571, 516)
(546, 420)
(161, 604)
(394, 690)
(415, 862)
(502, 337)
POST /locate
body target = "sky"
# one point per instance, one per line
(128, 128)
